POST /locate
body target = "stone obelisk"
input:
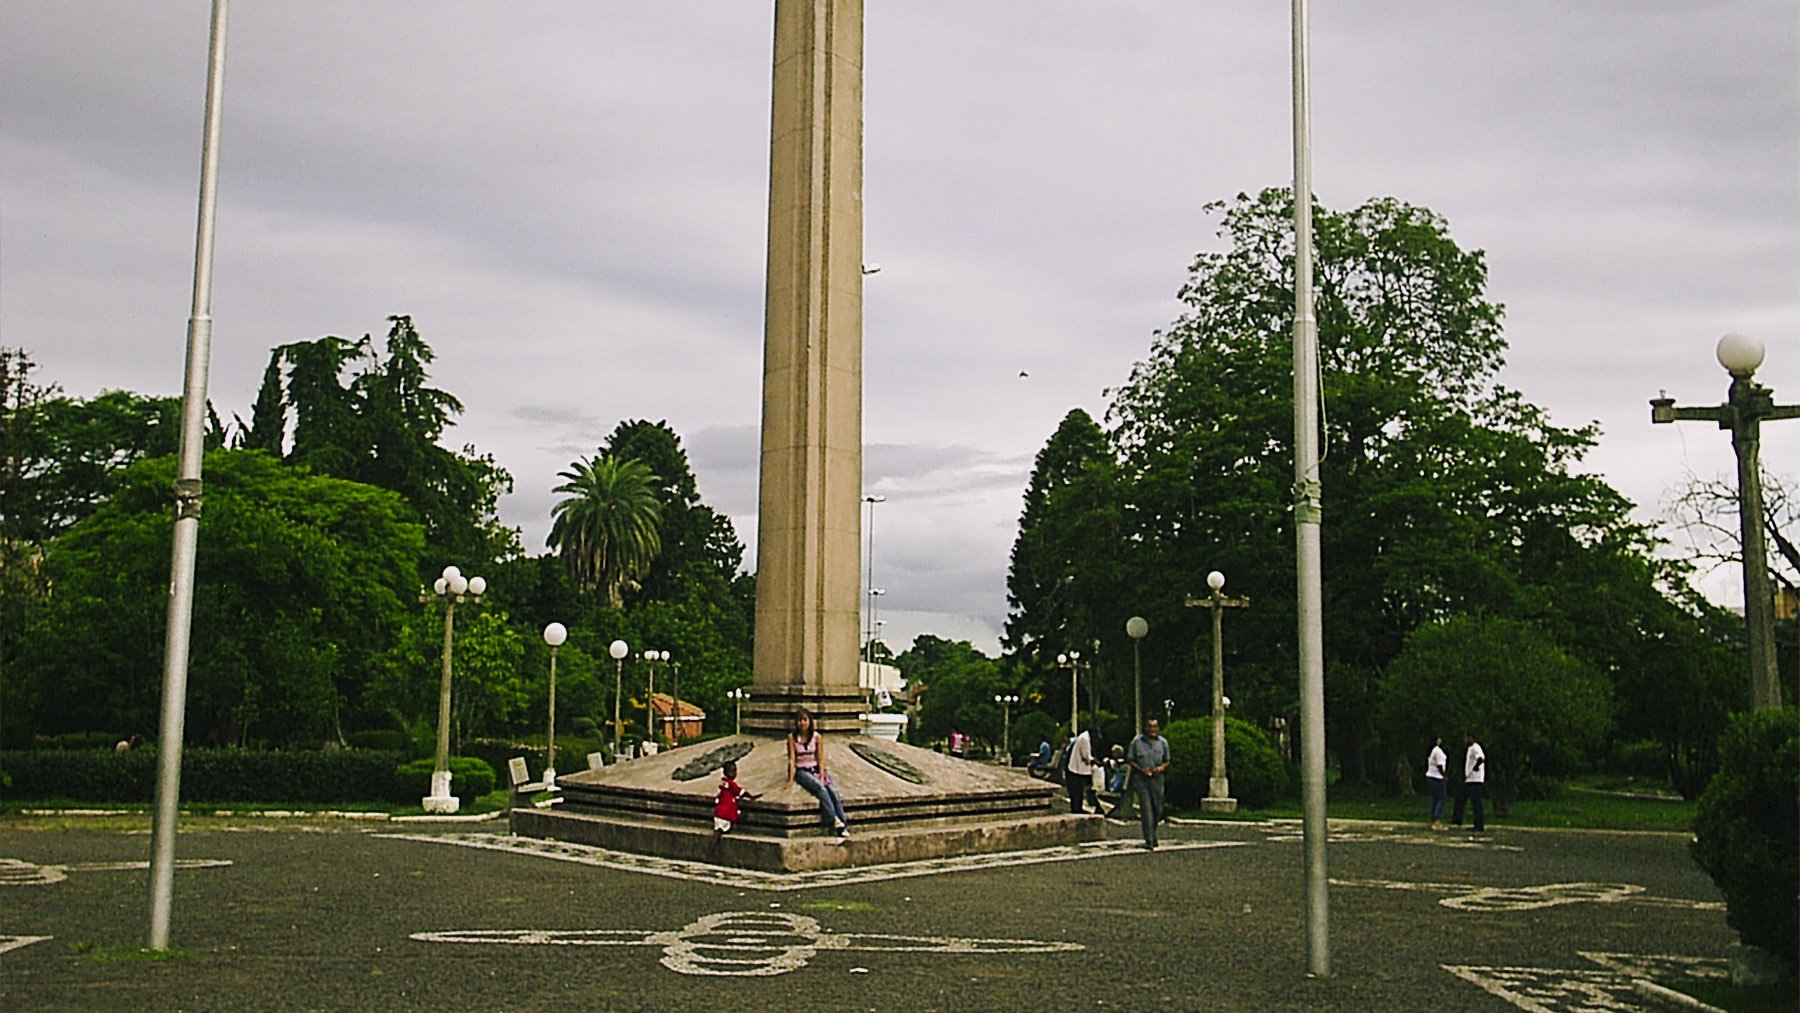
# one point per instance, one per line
(808, 528)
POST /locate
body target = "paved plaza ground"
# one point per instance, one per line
(333, 914)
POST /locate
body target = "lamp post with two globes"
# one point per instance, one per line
(738, 696)
(1006, 701)
(1218, 793)
(1747, 405)
(450, 589)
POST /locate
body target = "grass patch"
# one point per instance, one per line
(837, 905)
(89, 949)
(1583, 805)
(1741, 999)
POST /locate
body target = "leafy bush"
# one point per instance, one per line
(78, 740)
(1747, 829)
(1031, 728)
(1257, 773)
(391, 739)
(470, 778)
(207, 775)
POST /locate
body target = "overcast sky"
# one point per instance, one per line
(570, 200)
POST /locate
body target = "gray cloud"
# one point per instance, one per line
(571, 203)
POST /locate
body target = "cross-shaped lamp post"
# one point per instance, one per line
(1218, 795)
(1072, 662)
(738, 696)
(1747, 404)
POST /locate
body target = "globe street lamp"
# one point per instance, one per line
(1747, 405)
(1218, 793)
(875, 624)
(554, 635)
(1072, 662)
(1006, 700)
(619, 649)
(1137, 628)
(650, 659)
(450, 589)
(738, 696)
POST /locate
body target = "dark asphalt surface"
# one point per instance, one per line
(319, 916)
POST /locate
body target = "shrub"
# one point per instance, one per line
(1258, 774)
(1031, 728)
(392, 740)
(470, 778)
(1747, 829)
(207, 775)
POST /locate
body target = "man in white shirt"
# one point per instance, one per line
(1474, 781)
(1081, 771)
(1434, 780)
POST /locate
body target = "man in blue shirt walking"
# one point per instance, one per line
(1149, 758)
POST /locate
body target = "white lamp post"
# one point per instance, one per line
(1072, 662)
(651, 657)
(619, 649)
(738, 696)
(1137, 628)
(1747, 405)
(450, 589)
(1218, 793)
(554, 635)
(1006, 700)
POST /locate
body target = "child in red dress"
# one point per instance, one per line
(725, 810)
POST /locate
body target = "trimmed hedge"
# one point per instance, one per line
(207, 775)
(1257, 773)
(1747, 829)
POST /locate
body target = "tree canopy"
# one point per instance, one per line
(1446, 494)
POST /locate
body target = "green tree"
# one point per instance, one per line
(606, 530)
(267, 430)
(955, 685)
(1446, 494)
(1536, 711)
(302, 583)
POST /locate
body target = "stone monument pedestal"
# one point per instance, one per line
(904, 804)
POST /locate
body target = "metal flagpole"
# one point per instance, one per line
(187, 508)
(1307, 513)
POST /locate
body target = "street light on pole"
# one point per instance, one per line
(1006, 700)
(1218, 794)
(875, 594)
(618, 650)
(1747, 405)
(650, 658)
(1137, 628)
(675, 705)
(450, 589)
(869, 642)
(738, 696)
(554, 635)
(1072, 662)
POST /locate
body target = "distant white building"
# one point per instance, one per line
(882, 682)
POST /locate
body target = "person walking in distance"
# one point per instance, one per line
(1474, 780)
(1080, 770)
(1434, 780)
(1149, 758)
(806, 767)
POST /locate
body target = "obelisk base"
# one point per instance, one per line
(771, 711)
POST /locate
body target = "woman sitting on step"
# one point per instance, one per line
(806, 765)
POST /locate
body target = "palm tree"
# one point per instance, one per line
(608, 530)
